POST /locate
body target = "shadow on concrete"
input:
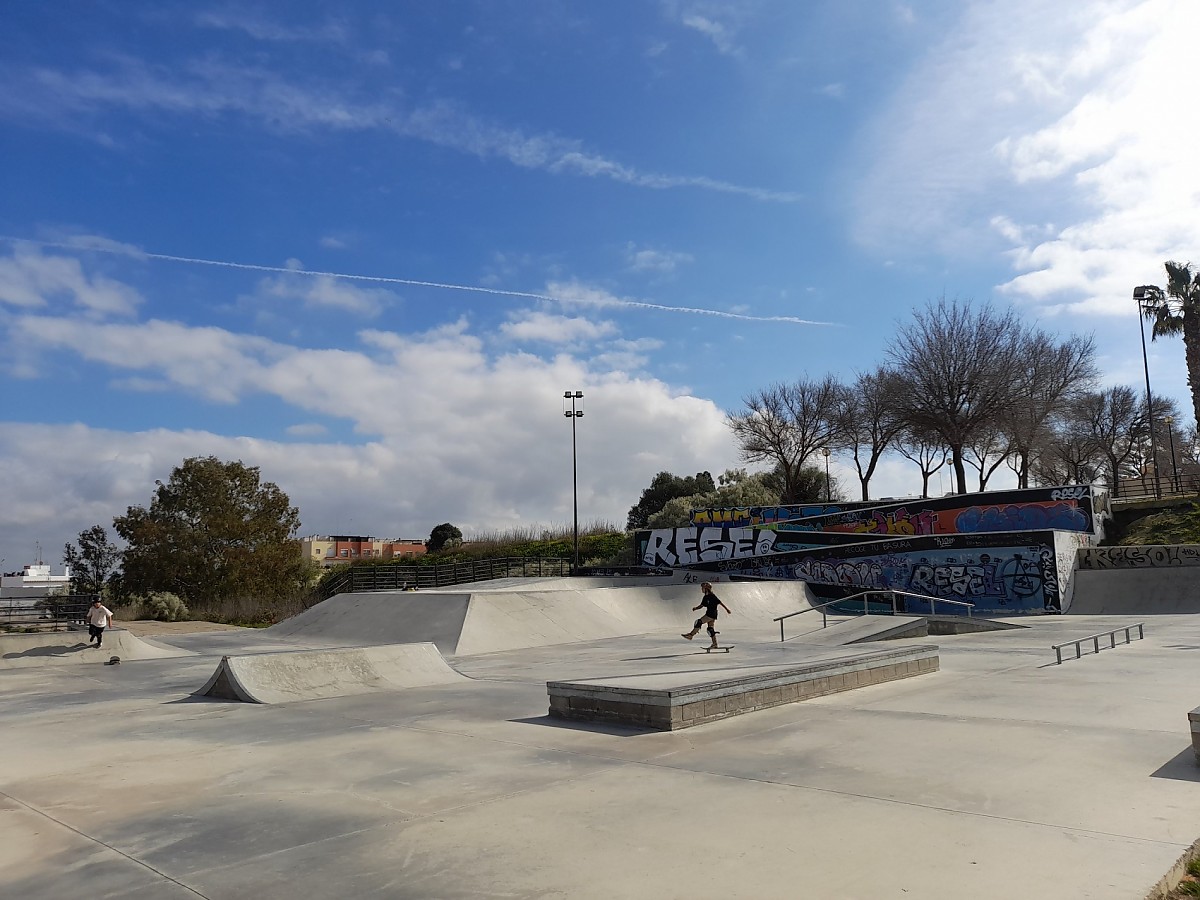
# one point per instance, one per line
(664, 656)
(56, 650)
(1181, 767)
(593, 727)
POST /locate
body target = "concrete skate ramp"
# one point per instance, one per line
(296, 675)
(485, 621)
(511, 620)
(53, 648)
(1138, 592)
(861, 629)
(382, 617)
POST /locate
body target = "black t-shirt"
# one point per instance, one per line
(709, 603)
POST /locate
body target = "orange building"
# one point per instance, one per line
(338, 549)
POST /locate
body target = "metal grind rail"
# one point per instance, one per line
(866, 595)
(1095, 639)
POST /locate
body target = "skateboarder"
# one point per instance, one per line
(709, 603)
(98, 617)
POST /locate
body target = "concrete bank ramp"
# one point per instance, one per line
(54, 648)
(1136, 592)
(381, 617)
(293, 675)
(485, 621)
(862, 629)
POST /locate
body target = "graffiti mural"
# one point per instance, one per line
(1062, 509)
(1139, 557)
(689, 546)
(743, 516)
(997, 573)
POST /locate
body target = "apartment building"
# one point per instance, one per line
(338, 549)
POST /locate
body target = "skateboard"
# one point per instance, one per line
(719, 649)
(113, 661)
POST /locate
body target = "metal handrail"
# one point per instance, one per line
(892, 592)
(866, 607)
(1095, 639)
(821, 606)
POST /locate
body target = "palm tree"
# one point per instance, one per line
(1177, 311)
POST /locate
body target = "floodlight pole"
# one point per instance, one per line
(574, 414)
(828, 488)
(1170, 420)
(1141, 295)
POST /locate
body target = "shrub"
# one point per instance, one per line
(165, 607)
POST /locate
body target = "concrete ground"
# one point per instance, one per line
(1003, 775)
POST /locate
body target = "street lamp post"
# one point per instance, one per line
(1174, 468)
(1142, 295)
(573, 413)
(828, 491)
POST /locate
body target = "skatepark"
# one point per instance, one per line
(400, 744)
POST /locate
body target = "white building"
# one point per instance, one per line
(35, 581)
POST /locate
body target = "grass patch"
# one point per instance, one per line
(1171, 526)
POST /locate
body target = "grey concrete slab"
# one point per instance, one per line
(1000, 776)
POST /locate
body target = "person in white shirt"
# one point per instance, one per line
(98, 617)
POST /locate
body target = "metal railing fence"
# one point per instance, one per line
(53, 611)
(357, 579)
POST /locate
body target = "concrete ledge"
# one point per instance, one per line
(683, 699)
(1194, 722)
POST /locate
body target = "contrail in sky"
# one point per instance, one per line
(120, 250)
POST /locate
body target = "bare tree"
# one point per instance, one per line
(986, 451)
(785, 424)
(869, 423)
(928, 452)
(962, 367)
(1115, 418)
(1069, 452)
(1056, 373)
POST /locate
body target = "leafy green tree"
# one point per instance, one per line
(1177, 311)
(93, 560)
(443, 537)
(734, 488)
(664, 488)
(215, 531)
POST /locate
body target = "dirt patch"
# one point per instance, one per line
(149, 627)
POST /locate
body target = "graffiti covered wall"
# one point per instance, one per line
(687, 546)
(1140, 557)
(743, 516)
(1060, 508)
(997, 572)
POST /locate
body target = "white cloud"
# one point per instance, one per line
(470, 439)
(208, 88)
(210, 362)
(322, 291)
(649, 260)
(555, 329)
(1123, 147)
(720, 34)
(268, 30)
(307, 429)
(1031, 111)
(31, 280)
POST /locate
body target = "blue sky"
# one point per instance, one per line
(667, 205)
